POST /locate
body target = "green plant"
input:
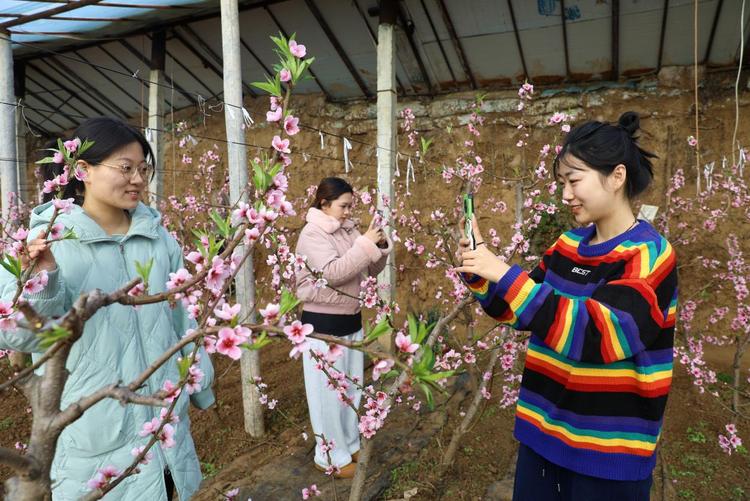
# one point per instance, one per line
(695, 436)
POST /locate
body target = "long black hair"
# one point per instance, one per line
(330, 189)
(603, 146)
(109, 134)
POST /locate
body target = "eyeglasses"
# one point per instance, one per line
(145, 170)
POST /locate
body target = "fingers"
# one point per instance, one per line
(475, 229)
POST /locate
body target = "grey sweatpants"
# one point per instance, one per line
(330, 417)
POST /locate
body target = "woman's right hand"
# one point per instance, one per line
(374, 233)
(39, 249)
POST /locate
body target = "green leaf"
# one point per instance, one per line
(144, 270)
(48, 338)
(12, 264)
(425, 145)
(413, 327)
(222, 224)
(70, 235)
(259, 343)
(383, 327)
(428, 395)
(437, 376)
(261, 179)
(288, 302)
(46, 160)
(85, 146)
(183, 365)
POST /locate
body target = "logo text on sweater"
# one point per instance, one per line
(580, 271)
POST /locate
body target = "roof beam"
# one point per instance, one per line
(255, 56)
(283, 31)
(374, 38)
(518, 41)
(127, 5)
(67, 73)
(457, 43)
(616, 39)
(156, 26)
(440, 44)
(52, 111)
(565, 39)
(48, 13)
(203, 45)
(44, 101)
(76, 95)
(146, 61)
(187, 70)
(110, 80)
(662, 33)
(713, 32)
(408, 27)
(339, 49)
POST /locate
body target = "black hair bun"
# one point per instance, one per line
(630, 121)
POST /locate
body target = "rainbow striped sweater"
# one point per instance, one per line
(599, 362)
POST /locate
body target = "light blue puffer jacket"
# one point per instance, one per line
(118, 343)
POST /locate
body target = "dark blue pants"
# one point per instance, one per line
(539, 480)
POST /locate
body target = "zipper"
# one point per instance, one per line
(121, 246)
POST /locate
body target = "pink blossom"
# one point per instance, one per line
(404, 343)
(137, 451)
(217, 274)
(178, 278)
(311, 491)
(228, 343)
(285, 75)
(6, 308)
(270, 313)
(692, 141)
(232, 494)
(274, 115)
(166, 437)
(20, 234)
(103, 477)
(72, 145)
(79, 173)
(281, 145)
(37, 283)
(63, 205)
(197, 259)
(58, 157)
(149, 427)
(297, 331)
(56, 232)
(334, 352)
(297, 50)
(228, 312)
(381, 367)
(291, 125)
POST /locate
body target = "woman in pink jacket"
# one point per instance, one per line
(333, 246)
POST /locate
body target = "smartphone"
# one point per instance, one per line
(468, 214)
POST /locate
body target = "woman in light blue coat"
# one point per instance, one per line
(114, 229)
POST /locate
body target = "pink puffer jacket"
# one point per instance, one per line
(343, 255)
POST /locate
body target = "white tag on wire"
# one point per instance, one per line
(347, 163)
(147, 133)
(322, 141)
(246, 117)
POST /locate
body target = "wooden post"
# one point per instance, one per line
(386, 123)
(238, 180)
(19, 89)
(8, 177)
(156, 110)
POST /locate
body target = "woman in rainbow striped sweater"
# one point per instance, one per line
(600, 307)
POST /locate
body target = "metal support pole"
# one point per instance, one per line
(156, 111)
(386, 122)
(238, 180)
(8, 177)
(19, 89)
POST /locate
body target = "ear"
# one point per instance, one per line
(83, 166)
(618, 177)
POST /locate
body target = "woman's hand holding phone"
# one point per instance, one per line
(375, 233)
(481, 261)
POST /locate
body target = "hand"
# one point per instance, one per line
(374, 233)
(481, 261)
(39, 249)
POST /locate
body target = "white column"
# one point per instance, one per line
(8, 172)
(21, 166)
(156, 136)
(238, 179)
(386, 110)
